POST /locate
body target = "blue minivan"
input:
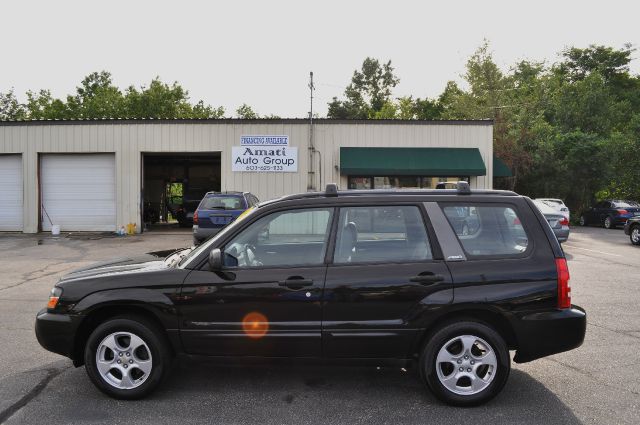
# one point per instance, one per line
(217, 209)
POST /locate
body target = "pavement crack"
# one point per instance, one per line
(630, 335)
(33, 393)
(29, 277)
(592, 376)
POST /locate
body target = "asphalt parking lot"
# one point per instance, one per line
(597, 383)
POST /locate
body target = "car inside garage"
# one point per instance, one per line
(174, 183)
(11, 193)
(78, 192)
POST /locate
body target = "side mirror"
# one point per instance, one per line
(215, 260)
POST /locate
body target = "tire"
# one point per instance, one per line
(608, 223)
(146, 365)
(448, 342)
(634, 234)
(583, 220)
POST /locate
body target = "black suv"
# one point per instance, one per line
(372, 277)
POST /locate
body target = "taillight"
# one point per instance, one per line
(195, 217)
(564, 221)
(564, 290)
(622, 212)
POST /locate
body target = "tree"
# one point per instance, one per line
(368, 93)
(10, 108)
(246, 112)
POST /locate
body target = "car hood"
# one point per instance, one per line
(124, 265)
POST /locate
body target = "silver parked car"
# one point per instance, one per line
(557, 220)
(556, 204)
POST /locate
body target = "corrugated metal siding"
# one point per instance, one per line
(129, 139)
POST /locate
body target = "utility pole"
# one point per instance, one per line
(311, 175)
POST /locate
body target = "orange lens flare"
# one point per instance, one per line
(255, 325)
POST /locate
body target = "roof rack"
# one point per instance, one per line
(331, 190)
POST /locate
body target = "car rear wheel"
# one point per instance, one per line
(635, 235)
(608, 223)
(127, 357)
(465, 363)
(583, 220)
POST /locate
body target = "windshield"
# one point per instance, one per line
(196, 251)
(222, 202)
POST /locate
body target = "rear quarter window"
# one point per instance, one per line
(488, 230)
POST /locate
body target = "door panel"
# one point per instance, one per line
(373, 310)
(382, 283)
(253, 314)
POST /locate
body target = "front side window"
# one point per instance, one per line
(287, 238)
(487, 230)
(382, 233)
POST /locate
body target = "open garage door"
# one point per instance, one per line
(78, 191)
(10, 192)
(173, 185)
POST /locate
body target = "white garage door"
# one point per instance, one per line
(10, 192)
(78, 192)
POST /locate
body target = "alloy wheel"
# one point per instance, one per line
(607, 223)
(466, 365)
(123, 360)
(635, 235)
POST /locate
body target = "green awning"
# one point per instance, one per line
(437, 162)
(500, 169)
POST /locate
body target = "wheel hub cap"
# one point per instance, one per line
(124, 360)
(466, 365)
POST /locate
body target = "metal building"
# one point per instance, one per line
(98, 175)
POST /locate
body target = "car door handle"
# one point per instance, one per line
(296, 282)
(427, 278)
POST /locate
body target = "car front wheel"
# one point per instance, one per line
(635, 235)
(583, 220)
(465, 363)
(127, 357)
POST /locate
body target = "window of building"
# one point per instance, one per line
(399, 182)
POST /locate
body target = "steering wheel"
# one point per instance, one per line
(249, 256)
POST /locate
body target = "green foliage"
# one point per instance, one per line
(10, 108)
(97, 97)
(369, 93)
(246, 112)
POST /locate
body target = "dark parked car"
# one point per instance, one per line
(610, 213)
(216, 210)
(632, 228)
(368, 277)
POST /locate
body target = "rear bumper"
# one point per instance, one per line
(545, 333)
(562, 234)
(56, 332)
(202, 233)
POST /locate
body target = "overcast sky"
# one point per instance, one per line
(261, 52)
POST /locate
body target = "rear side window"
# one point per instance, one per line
(487, 230)
(382, 233)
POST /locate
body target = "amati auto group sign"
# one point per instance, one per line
(264, 154)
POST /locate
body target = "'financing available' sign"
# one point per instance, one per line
(264, 154)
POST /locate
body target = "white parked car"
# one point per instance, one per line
(556, 204)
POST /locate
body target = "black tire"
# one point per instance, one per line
(608, 223)
(442, 337)
(634, 233)
(154, 340)
(583, 221)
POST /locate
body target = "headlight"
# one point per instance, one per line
(54, 296)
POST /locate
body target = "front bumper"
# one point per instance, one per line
(550, 332)
(56, 332)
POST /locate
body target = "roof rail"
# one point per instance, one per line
(331, 190)
(463, 188)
